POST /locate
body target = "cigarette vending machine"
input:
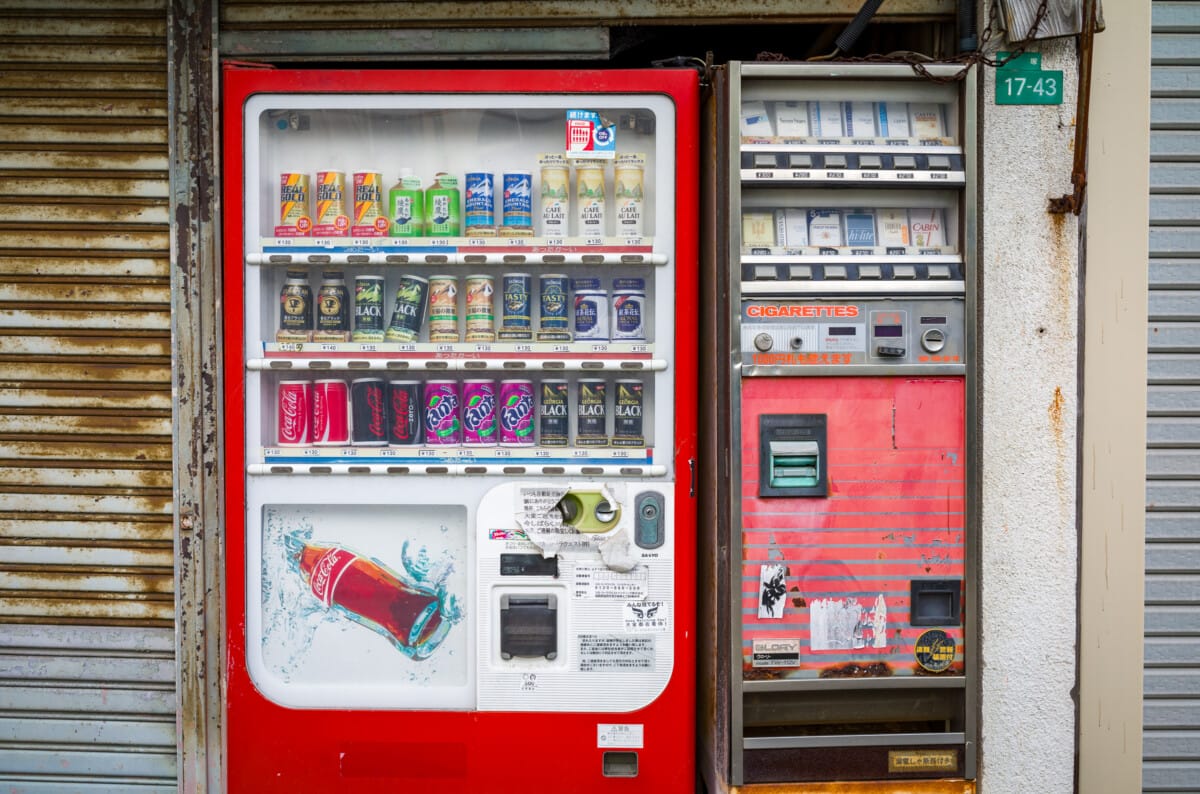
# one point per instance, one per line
(460, 429)
(839, 561)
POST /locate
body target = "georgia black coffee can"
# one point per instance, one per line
(368, 413)
(404, 413)
(554, 422)
(591, 412)
(628, 401)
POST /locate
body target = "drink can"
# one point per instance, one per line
(408, 312)
(331, 413)
(404, 413)
(481, 312)
(443, 309)
(295, 413)
(591, 413)
(589, 190)
(368, 309)
(555, 195)
(369, 218)
(295, 309)
(591, 310)
(552, 323)
(628, 309)
(333, 309)
(629, 193)
(443, 210)
(479, 413)
(628, 405)
(406, 206)
(331, 219)
(368, 412)
(517, 319)
(295, 219)
(441, 406)
(554, 425)
(518, 203)
(480, 200)
(516, 413)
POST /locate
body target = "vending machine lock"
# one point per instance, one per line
(648, 528)
(528, 626)
(792, 455)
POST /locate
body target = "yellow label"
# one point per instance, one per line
(922, 760)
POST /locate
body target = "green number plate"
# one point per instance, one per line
(1022, 81)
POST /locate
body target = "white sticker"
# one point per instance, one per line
(772, 587)
(595, 580)
(776, 653)
(647, 617)
(620, 735)
(615, 652)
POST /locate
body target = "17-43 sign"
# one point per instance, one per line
(1022, 81)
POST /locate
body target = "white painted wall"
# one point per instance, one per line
(1029, 547)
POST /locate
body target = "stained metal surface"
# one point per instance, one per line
(87, 615)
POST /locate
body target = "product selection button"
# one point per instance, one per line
(870, 161)
(800, 161)
(799, 272)
(904, 271)
(904, 162)
(870, 271)
(939, 162)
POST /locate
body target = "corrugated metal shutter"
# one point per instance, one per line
(1171, 747)
(87, 657)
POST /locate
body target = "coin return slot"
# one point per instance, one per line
(620, 763)
(528, 626)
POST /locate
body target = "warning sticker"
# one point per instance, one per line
(598, 652)
(776, 653)
(596, 580)
(620, 735)
(643, 617)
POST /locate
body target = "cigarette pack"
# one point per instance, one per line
(928, 226)
(825, 227)
(825, 119)
(755, 121)
(860, 228)
(893, 227)
(927, 121)
(791, 119)
(758, 229)
(893, 119)
(860, 119)
(791, 227)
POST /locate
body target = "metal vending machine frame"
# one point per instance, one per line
(838, 567)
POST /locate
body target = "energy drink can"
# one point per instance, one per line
(516, 413)
(555, 195)
(554, 426)
(408, 313)
(369, 219)
(443, 309)
(295, 219)
(295, 309)
(479, 413)
(589, 190)
(404, 413)
(629, 193)
(517, 204)
(330, 413)
(591, 310)
(294, 427)
(441, 407)
(333, 309)
(517, 318)
(368, 412)
(480, 200)
(591, 413)
(628, 404)
(481, 312)
(331, 219)
(553, 325)
(368, 309)
(629, 310)
(406, 206)
(443, 207)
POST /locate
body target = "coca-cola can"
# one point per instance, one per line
(331, 413)
(404, 413)
(479, 413)
(516, 412)
(368, 413)
(295, 413)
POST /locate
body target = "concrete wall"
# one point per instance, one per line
(1030, 336)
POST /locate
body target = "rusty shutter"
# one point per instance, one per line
(87, 657)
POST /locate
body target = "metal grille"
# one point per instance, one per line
(1171, 746)
(86, 597)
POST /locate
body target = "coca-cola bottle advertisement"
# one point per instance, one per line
(368, 596)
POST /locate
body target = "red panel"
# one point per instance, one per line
(271, 748)
(894, 512)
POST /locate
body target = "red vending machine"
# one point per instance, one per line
(460, 429)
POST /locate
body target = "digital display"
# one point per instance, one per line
(889, 330)
(842, 330)
(933, 321)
